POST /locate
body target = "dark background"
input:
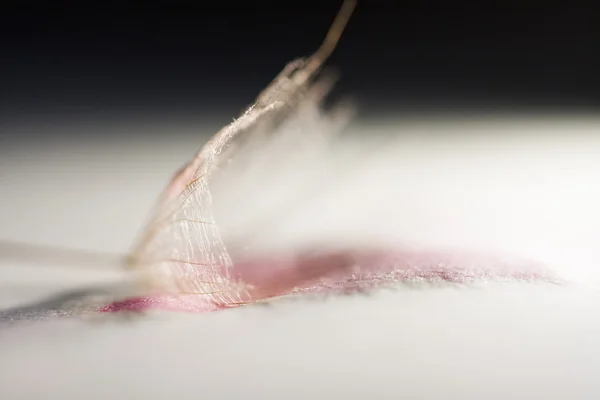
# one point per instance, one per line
(116, 58)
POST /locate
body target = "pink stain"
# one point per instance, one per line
(343, 272)
(181, 303)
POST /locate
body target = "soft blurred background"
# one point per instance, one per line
(194, 59)
(494, 110)
(102, 101)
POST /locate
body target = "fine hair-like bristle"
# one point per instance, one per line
(182, 248)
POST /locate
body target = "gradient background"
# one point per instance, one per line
(109, 59)
(101, 102)
(124, 94)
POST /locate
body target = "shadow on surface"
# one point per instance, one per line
(63, 304)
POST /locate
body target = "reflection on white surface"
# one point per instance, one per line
(520, 186)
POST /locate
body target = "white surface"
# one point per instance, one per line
(529, 187)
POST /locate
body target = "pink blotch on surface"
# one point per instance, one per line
(347, 271)
(182, 303)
